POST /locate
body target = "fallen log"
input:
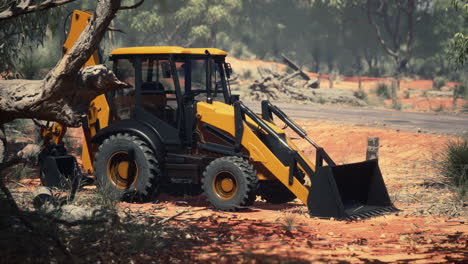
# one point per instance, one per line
(294, 66)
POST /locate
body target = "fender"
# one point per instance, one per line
(137, 128)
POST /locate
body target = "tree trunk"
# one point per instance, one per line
(359, 82)
(394, 89)
(316, 55)
(3, 143)
(64, 94)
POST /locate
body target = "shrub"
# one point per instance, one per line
(453, 165)
(20, 172)
(439, 82)
(289, 222)
(465, 108)
(440, 108)
(247, 74)
(461, 91)
(397, 106)
(321, 100)
(407, 94)
(383, 90)
(360, 94)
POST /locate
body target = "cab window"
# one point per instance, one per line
(124, 99)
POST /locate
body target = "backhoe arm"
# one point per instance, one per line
(58, 168)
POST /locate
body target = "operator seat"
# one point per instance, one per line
(154, 94)
(155, 100)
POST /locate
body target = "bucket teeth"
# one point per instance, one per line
(373, 213)
(368, 214)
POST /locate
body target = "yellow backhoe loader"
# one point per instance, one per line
(180, 124)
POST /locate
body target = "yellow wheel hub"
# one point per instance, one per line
(122, 170)
(225, 185)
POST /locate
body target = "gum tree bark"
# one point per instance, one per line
(18, 8)
(64, 94)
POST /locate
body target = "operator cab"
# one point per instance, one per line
(163, 78)
(166, 83)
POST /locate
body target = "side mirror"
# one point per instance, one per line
(228, 68)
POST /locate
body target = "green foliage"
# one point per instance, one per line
(20, 172)
(181, 22)
(440, 108)
(397, 106)
(34, 63)
(246, 75)
(453, 165)
(323, 36)
(407, 94)
(461, 91)
(321, 100)
(383, 90)
(458, 51)
(22, 33)
(439, 82)
(18, 125)
(361, 94)
(459, 48)
(465, 108)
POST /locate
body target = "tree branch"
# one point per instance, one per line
(409, 37)
(378, 33)
(89, 39)
(26, 7)
(397, 35)
(132, 6)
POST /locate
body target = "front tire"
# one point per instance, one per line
(126, 168)
(230, 183)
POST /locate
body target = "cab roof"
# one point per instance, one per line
(166, 50)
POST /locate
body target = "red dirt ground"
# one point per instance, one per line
(286, 234)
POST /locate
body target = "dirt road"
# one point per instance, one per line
(437, 123)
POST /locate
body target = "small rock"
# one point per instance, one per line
(383, 236)
(75, 213)
(446, 89)
(29, 150)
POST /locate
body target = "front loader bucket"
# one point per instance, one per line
(349, 192)
(60, 171)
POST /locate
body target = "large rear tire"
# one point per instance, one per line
(230, 183)
(126, 168)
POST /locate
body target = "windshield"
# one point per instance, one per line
(199, 79)
(157, 77)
